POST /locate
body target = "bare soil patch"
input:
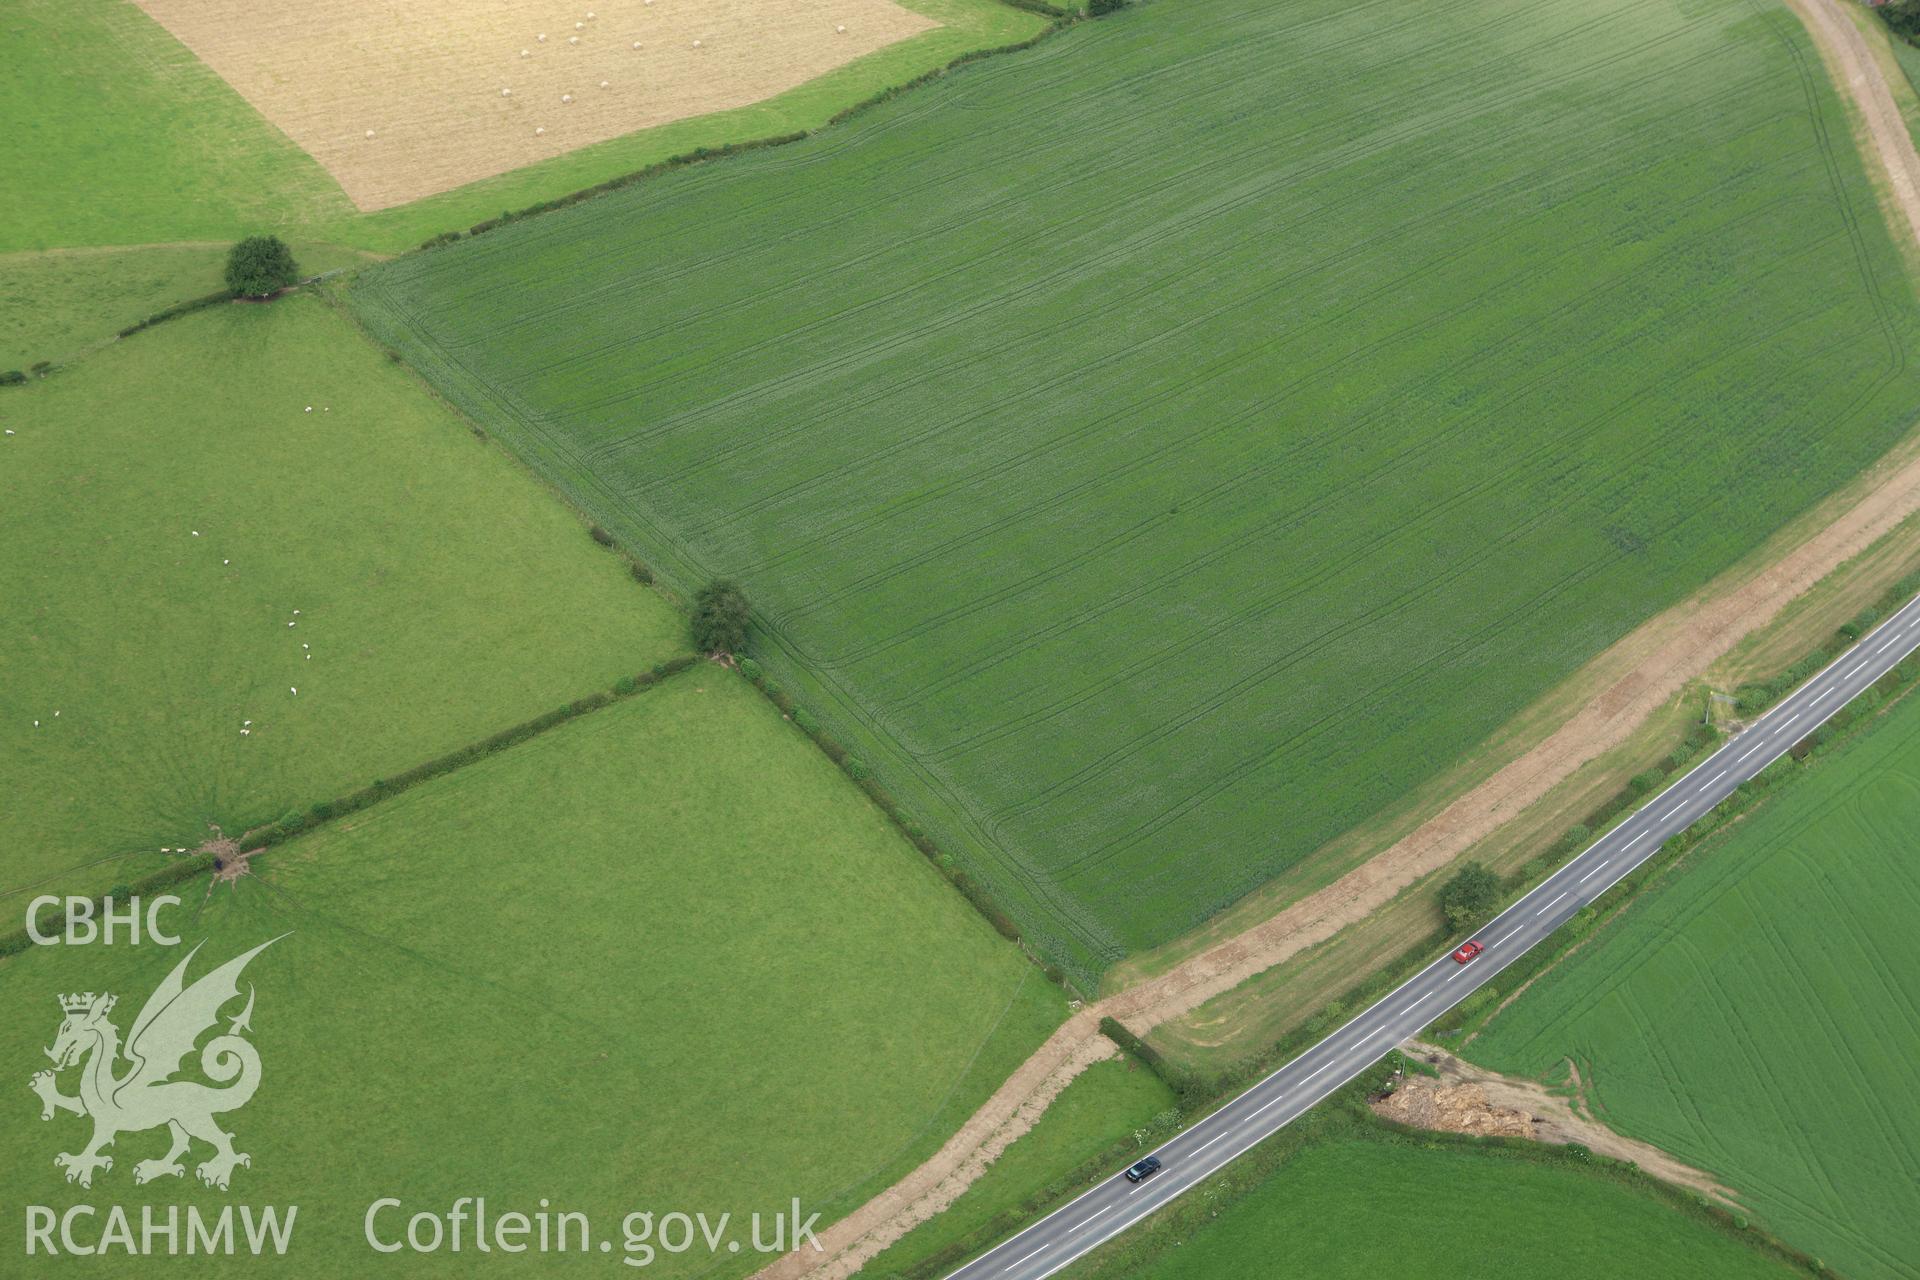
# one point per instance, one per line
(397, 102)
(1470, 1099)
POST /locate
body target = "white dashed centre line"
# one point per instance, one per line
(1542, 911)
(1591, 874)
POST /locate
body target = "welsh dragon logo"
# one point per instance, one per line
(145, 1096)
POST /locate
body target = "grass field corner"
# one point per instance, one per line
(663, 957)
(253, 565)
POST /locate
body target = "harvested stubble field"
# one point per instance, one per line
(397, 102)
(1160, 449)
(118, 135)
(662, 958)
(1756, 1016)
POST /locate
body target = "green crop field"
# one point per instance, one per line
(1365, 1208)
(1756, 1013)
(1161, 449)
(662, 958)
(170, 503)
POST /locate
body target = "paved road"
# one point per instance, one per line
(1116, 1204)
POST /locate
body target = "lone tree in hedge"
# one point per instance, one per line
(1904, 17)
(260, 265)
(720, 618)
(1469, 895)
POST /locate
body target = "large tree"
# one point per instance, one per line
(260, 265)
(720, 618)
(1469, 894)
(1903, 16)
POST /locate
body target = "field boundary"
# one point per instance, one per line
(1062, 19)
(256, 840)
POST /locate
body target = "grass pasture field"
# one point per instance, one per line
(168, 504)
(60, 304)
(1365, 1207)
(663, 957)
(1159, 449)
(1755, 1013)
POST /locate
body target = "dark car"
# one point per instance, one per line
(1144, 1170)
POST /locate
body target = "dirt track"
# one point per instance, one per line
(1653, 663)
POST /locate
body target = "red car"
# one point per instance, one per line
(1467, 952)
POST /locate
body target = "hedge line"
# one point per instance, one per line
(165, 878)
(699, 155)
(1756, 696)
(293, 824)
(177, 310)
(855, 769)
(1183, 1084)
